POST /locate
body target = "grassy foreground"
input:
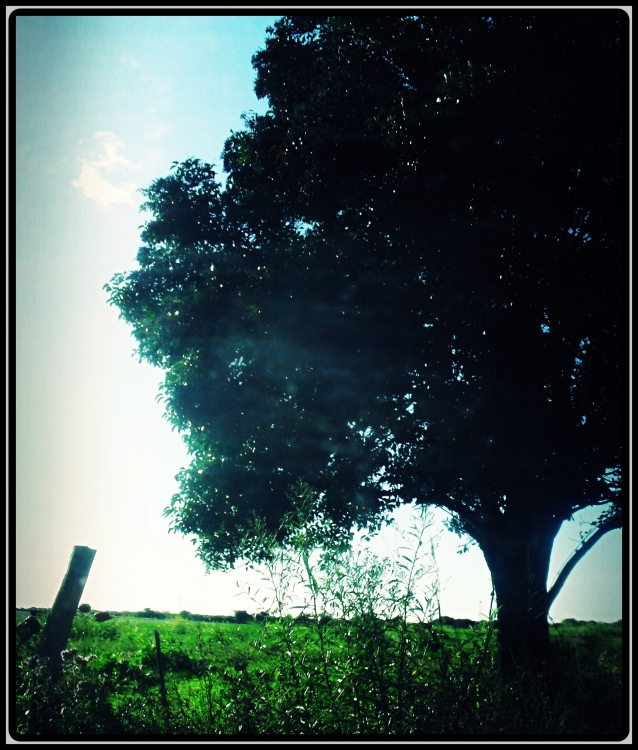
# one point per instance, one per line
(287, 677)
(382, 662)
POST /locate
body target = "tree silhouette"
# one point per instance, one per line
(409, 289)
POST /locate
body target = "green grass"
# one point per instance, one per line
(380, 662)
(284, 677)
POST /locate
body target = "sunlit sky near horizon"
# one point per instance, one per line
(105, 104)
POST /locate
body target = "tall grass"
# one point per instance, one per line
(352, 645)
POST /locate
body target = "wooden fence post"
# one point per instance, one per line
(60, 620)
(160, 669)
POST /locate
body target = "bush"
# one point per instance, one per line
(64, 705)
(151, 614)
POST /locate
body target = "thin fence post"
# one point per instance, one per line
(57, 627)
(160, 669)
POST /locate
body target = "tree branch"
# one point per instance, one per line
(611, 522)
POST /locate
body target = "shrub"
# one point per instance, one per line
(28, 627)
(73, 702)
(147, 612)
(242, 617)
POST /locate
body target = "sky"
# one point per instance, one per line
(104, 105)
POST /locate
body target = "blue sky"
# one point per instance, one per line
(105, 104)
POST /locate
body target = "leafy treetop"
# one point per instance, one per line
(409, 288)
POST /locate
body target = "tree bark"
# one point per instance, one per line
(517, 550)
(518, 557)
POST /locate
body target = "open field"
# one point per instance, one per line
(285, 676)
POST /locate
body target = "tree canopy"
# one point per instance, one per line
(410, 287)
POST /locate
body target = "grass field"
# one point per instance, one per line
(285, 676)
(367, 654)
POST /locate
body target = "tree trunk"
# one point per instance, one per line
(518, 559)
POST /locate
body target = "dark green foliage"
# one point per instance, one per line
(240, 616)
(28, 628)
(75, 704)
(409, 289)
(457, 623)
(147, 612)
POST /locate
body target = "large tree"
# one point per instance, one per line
(410, 288)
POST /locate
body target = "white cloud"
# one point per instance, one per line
(95, 187)
(106, 159)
